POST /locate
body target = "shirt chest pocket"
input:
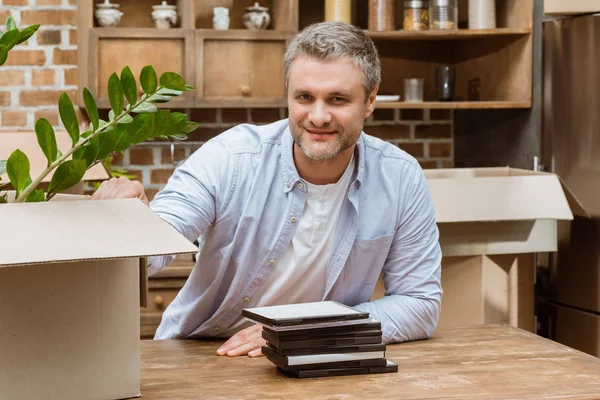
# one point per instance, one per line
(366, 260)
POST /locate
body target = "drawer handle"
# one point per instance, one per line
(159, 301)
(245, 89)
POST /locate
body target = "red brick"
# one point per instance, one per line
(43, 97)
(71, 76)
(61, 57)
(14, 118)
(50, 115)
(161, 175)
(178, 155)
(238, 115)
(440, 150)
(203, 115)
(5, 99)
(138, 175)
(117, 159)
(49, 17)
(48, 2)
(411, 115)
(12, 77)
(264, 115)
(141, 156)
(150, 193)
(434, 131)
(43, 77)
(415, 149)
(446, 164)
(4, 14)
(388, 132)
(73, 36)
(440, 115)
(26, 57)
(383, 115)
(15, 3)
(428, 164)
(48, 37)
(203, 134)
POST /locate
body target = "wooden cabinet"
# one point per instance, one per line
(242, 68)
(162, 290)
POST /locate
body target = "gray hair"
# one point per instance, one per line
(330, 41)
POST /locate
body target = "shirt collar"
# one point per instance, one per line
(290, 173)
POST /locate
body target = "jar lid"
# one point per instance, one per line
(415, 4)
(443, 3)
(257, 7)
(164, 6)
(107, 4)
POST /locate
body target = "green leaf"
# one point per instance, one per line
(36, 196)
(3, 54)
(10, 38)
(129, 85)
(125, 135)
(17, 167)
(125, 118)
(46, 139)
(3, 200)
(68, 117)
(10, 24)
(2, 167)
(169, 92)
(157, 98)
(144, 126)
(162, 125)
(59, 154)
(27, 33)
(90, 107)
(108, 140)
(115, 93)
(145, 107)
(179, 136)
(190, 127)
(67, 175)
(189, 88)
(148, 80)
(171, 80)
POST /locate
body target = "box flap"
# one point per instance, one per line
(571, 7)
(582, 187)
(496, 194)
(34, 233)
(27, 143)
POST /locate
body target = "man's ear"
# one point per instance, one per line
(371, 102)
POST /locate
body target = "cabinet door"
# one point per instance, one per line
(240, 69)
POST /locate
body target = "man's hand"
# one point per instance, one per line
(247, 341)
(121, 188)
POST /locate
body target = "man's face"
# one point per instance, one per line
(327, 106)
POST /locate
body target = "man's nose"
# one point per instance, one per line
(319, 114)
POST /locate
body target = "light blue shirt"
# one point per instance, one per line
(240, 195)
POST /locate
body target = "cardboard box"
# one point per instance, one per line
(72, 276)
(491, 220)
(578, 329)
(27, 143)
(570, 7)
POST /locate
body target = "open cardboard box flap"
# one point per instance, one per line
(499, 194)
(570, 7)
(27, 143)
(64, 231)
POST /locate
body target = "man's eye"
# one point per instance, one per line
(304, 96)
(337, 99)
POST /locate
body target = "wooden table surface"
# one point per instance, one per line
(475, 362)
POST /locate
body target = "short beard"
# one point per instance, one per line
(341, 146)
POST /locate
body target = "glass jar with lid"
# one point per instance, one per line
(416, 15)
(443, 14)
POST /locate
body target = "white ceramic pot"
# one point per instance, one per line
(221, 18)
(257, 17)
(164, 15)
(107, 14)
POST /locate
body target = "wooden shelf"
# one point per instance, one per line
(456, 105)
(461, 34)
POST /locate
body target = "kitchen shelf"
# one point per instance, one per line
(461, 34)
(454, 105)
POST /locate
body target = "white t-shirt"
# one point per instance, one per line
(299, 276)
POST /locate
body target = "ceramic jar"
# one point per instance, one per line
(257, 18)
(164, 15)
(107, 14)
(221, 18)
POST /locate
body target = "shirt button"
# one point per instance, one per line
(287, 185)
(271, 262)
(246, 299)
(293, 219)
(217, 329)
(301, 185)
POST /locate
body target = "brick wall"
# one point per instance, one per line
(36, 74)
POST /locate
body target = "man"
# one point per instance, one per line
(305, 209)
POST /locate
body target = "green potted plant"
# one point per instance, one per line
(132, 119)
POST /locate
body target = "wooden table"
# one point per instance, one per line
(476, 362)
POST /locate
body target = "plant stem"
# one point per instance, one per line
(23, 195)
